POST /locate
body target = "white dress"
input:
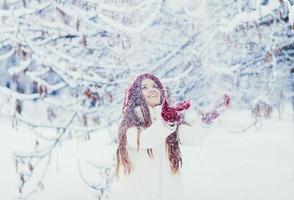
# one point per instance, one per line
(151, 178)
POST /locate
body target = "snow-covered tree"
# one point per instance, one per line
(70, 60)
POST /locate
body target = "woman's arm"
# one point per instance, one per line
(193, 135)
(149, 137)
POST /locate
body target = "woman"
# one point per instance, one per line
(150, 134)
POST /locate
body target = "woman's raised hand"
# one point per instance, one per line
(173, 114)
(221, 104)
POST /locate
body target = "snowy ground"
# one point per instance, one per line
(253, 165)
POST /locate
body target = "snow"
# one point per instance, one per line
(6, 55)
(127, 9)
(70, 61)
(24, 11)
(132, 30)
(17, 95)
(20, 68)
(291, 14)
(256, 164)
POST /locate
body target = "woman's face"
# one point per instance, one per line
(151, 92)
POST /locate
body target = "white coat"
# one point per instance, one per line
(151, 178)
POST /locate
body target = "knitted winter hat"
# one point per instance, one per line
(134, 87)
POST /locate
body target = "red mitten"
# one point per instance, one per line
(223, 102)
(169, 114)
(184, 105)
(173, 114)
(209, 117)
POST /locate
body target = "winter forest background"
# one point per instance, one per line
(65, 65)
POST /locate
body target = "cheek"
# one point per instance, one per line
(158, 96)
(158, 92)
(158, 99)
(144, 94)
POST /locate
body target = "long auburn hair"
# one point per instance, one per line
(133, 99)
